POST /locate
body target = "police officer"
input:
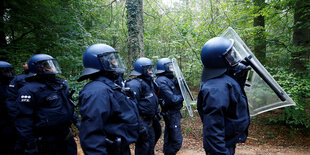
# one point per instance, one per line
(144, 90)
(222, 104)
(7, 129)
(45, 113)
(110, 120)
(171, 102)
(18, 82)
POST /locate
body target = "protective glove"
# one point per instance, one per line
(241, 68)
(239, 73)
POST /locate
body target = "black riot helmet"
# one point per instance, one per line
(164, 65)
(217, 55)
(43, 64)
(6, 72)
(101, 58)
(143, 66)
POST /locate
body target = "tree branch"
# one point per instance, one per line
(22, 36)
(149, 15)
(104, 6)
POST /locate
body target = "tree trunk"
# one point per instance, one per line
(3, 44)
(301, 38)
(135, 30)
(259, 37)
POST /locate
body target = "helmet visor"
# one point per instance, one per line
(112, 62)
(169, 67)
(232, 57)
(49, 67)
(7, 72)
(149, 70)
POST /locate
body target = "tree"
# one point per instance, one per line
(301, 37)
(135, 29)
(259, 37)
(3, 43)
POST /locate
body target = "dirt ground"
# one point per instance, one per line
(265, 138)
(244, 149)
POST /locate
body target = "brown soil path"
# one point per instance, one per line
(265, 138)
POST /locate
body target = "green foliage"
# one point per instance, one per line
(64, 29)
(299, 89)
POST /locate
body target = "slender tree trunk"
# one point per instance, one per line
(301, 38)
(3, 44)
(260, 38)
(135, 30)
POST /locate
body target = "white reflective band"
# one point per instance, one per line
(25, 96)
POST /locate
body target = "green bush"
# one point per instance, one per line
(298, 88)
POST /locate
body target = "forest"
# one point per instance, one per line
(277, 32)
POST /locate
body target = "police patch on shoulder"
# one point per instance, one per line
(53, 97)
(25, 98)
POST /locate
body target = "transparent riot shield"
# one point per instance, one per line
(186, 93)
(263, 92)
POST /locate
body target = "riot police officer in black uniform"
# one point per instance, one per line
(18, 82)
(7, 129)
(110, 120)
(222, 104)
(144, 90)
(171, 102)
(45, 113)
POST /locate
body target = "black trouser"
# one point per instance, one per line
(52, 145)
(157, 129)
(172, 136)
(7, 140)
(118, 150)
(145, 144)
